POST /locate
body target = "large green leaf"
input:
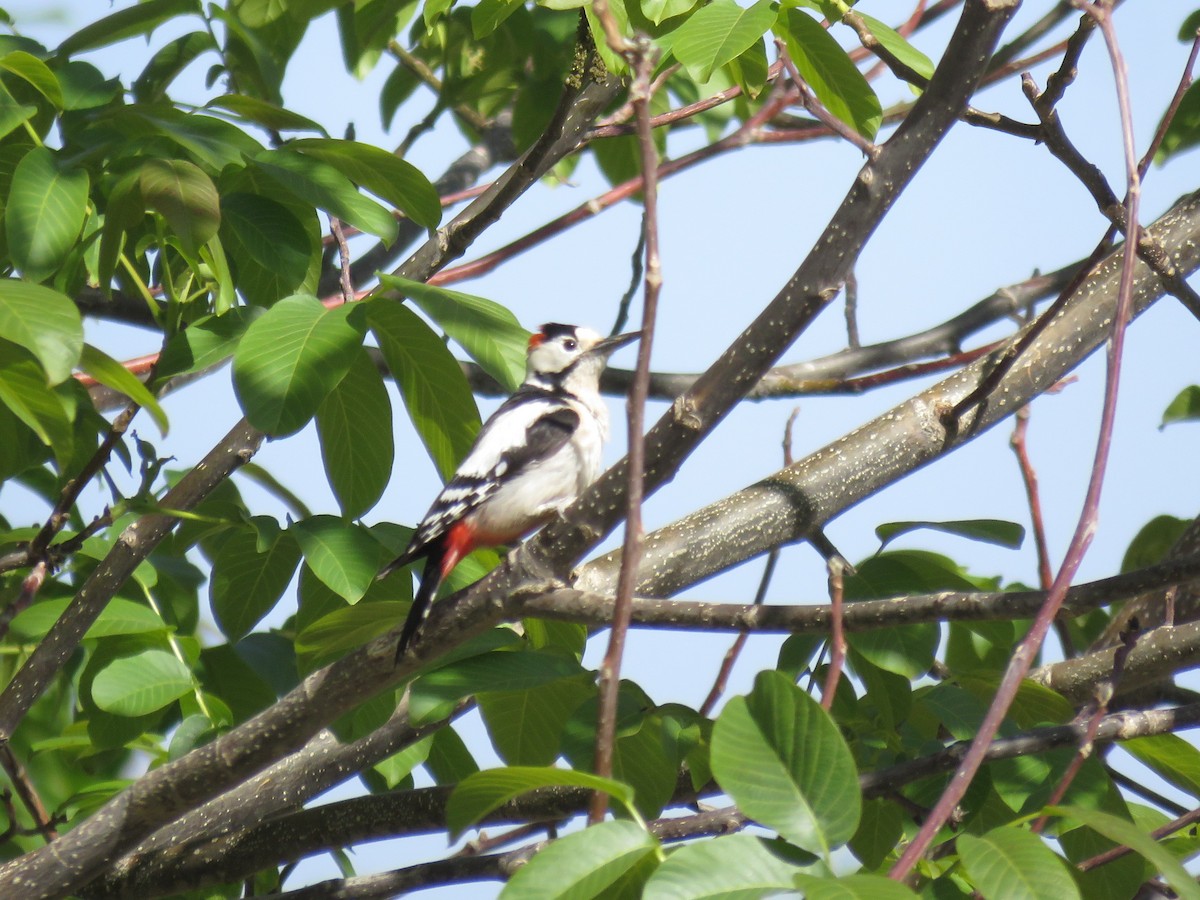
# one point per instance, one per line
(268, 246)
(898, 45)
(268, 115)
(290, 359)
(1171, 757)
(247, 581)
(489, 332)
(479, 794)
(23, 390)
(583, 865)
(166, 64)
(988, 531)
(783, 760)
(185, 197)
(139, 19)
(206, 342)
(36, 73)
(354, 424)
(44, 322)
(140, 684)
(323, 186)
(349, 627)
(111, 373)
(733, 866)
(1126, 833)
(432, 694)
(828, 70)
(526, 727)
(12, 113)
(382, 173)
(46, 208)
(341, 554)
(853, 887)
(718, 33)
(120, 616)
(436, 393)
(1013, 864)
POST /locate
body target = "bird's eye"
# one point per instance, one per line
(570, 344)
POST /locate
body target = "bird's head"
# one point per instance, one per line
(558, 353)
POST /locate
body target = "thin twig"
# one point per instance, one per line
(610, 668)
(1025, 652)
(635, 280)
(837, 636)
(25, 789)
(339, 236)
(1157, 834)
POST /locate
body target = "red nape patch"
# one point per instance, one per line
(536, 340)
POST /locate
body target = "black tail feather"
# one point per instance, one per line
(431, 580)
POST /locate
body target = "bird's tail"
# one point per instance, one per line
(431, 580)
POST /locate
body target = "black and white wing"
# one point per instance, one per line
(529, 426)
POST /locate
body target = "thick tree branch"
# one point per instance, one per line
(787, 505)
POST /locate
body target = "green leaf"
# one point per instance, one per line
(185, 197)
(718, 33)
(44, 322)
(853, 887)
(906, 650)
(140, 684)
(166, 64)
(783, 760)
(23, 390)
(481, 793)
(735, 865)
(29, 68)
(120, 616)
(354, 424)
(449, 760)
(498, 671)
(269, 247)
(879, 831)
(488, 15)
(988, 531)
(290, 359)
(46, 208)
(658, 11)
(324, 187)
(12, 113)
(526, 727)
(827, 69)
(349, 627)
(583, 865)
(489, 332)
(436, 393)
(1153, 541)
(382, 173)
(1126, 833)
(1012, 864)
(139, 19)
(1184, 131)
(247, 581)
(341, 554)
(898, 46)
(1184, 408)
(112, 374)
(206, 342)
(1171, 757)
(260, 112)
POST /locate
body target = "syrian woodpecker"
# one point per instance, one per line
(530, 461)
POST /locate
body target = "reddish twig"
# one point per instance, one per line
(1157, 834)
(610, 667)
(1029, 478)
(1027, 649)
(339, 236)
(810, 103)
(837, 636)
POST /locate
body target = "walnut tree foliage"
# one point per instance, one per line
(182, 673)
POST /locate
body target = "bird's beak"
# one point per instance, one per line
(614, 343)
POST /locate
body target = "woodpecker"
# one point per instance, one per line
(530, 461)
